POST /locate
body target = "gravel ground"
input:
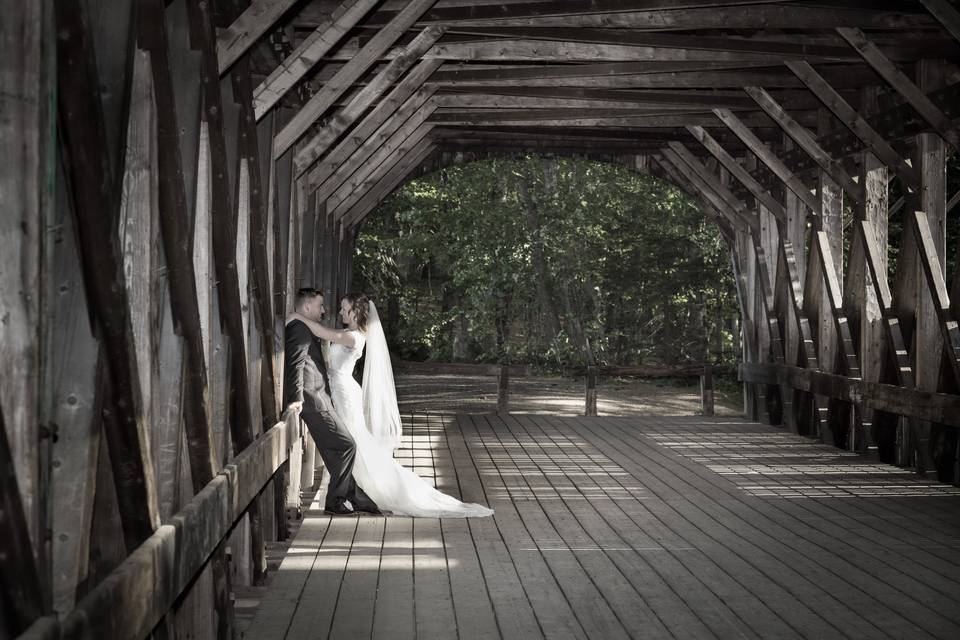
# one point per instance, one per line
(555, 395)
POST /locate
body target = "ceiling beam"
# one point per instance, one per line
(807, 141)
(855, 122)
(914, 96)
(306, 56)
(340, 122)
(769, 158)
(739, 172)
(350, 73)
(234, 41)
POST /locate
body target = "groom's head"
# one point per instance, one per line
(309, 302)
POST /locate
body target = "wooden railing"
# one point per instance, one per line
(592, 374)
(135, 597)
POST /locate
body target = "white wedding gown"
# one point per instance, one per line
(393, 487)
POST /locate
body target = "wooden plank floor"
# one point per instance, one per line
(646, 527)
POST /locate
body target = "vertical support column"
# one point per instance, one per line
(929, 159)
(860, 297)
(743, 267)
(779, 399)
(832, 414)
(503, 391)
(706, 391)
(590, 382)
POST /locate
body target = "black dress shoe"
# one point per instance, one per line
(370, 508)
(340, 507)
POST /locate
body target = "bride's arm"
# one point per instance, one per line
(340, 336)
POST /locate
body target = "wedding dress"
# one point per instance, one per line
(392, 486)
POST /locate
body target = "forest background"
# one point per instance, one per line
(551, 262)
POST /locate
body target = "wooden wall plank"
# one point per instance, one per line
(26, 194)
(70, 377)
(347, 75)
(93, 186)
(244, 32)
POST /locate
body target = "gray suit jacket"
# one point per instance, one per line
(304, 371)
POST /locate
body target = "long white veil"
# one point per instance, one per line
(379, 393)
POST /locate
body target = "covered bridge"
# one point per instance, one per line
(173, 170)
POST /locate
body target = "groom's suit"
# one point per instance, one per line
(305, 380)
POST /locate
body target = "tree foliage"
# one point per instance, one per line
(550, 262)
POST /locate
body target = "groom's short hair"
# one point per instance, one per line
(305, 294)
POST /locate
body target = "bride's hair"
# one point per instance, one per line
(360, 304)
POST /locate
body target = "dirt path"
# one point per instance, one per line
(555, 395)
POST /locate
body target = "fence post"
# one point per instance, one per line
(503, 391)
(706, 390)
(591, 391)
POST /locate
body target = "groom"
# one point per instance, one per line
(306, 389)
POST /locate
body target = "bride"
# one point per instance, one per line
(371, 415)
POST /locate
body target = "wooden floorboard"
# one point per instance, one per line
(642, 527)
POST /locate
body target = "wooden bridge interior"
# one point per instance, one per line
(173, 170)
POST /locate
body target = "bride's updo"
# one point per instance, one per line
(360, 305)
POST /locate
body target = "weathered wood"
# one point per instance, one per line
(411, 134)
(774, 163)
(94, 193)
(747, 218)
(738, 171)
(386, 185)
(307, 54)
(728, 210)
(338, 85)
(854, 121)
(174, 218)
(806, 141)
(915, 96)
(23, 598)
(130, 602)
(706, 391)
(937, 288)
(340, 122)
(925, 405)
(590, 383)
(224, 227)
(466, 95)
(235, 40)
(393, 106)
(634, 38)
(26, 200)
(945, 14)
(496, 11)
(503, 390)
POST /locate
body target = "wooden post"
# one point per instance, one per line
(308, 467)
(503, 391)
(591, 391)
(706, 391)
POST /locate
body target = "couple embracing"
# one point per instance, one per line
(355, 428)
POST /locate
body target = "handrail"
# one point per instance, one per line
(136, 595)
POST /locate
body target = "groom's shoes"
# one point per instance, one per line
(340, 507)
(368, 507)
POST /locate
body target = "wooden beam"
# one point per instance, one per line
(388, 183)
(634, 38)
(778, 16)
(466, 74)
(738, 171)
(937, 286)
(834, 297)
(703, 188)
(340, 122)
(350, 73)
(926, 405)
(308, 54)
(549, 9)
(130, 601)
(406, 138)
(586, 118)
(806, 140)
(95, 205)
(236, 39)
(739, 209)
(769, 158)
(617, 98)
(174, 218)
(726, 227)
(23, 599)
(914, 96)
(395, 105)
(27, 191)
(551, 51)
(946, 14)
(416, 109)
(854, 121)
